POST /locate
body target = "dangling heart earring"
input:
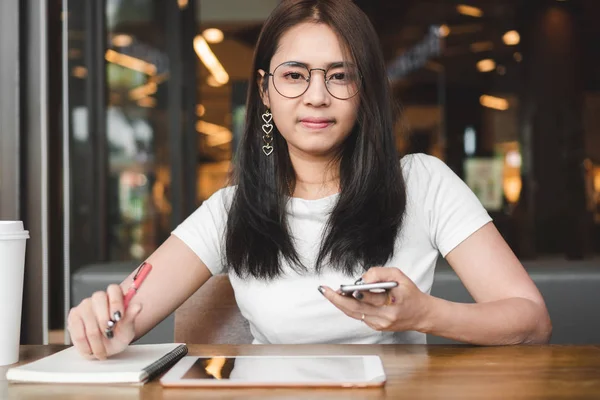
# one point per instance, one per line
(267, 129)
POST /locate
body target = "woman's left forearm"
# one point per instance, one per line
(503, 322)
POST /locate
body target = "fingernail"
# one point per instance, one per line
(110, 323)
(321, 289)
(109, 333)
(117, 316)
(357, 295)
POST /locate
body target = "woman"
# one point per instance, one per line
(319, 199)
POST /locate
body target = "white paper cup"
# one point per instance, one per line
(12, 268)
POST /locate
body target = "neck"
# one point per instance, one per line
(315, 178)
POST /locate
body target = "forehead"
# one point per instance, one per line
(313, 44)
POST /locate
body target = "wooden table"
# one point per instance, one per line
(414, 372)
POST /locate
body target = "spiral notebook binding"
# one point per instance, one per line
(165, 362)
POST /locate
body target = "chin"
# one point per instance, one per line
(318, 151)
(317, 146)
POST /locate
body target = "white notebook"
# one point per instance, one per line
(136, 365)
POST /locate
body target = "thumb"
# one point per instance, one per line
(125, 329)
(132, 312)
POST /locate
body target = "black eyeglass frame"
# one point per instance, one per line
(308, 79)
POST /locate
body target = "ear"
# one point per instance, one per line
(264, 94)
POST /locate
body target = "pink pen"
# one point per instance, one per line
(138, 279)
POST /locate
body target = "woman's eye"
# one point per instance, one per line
(293, 75)
(339, 76)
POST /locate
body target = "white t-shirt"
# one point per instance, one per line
(441, 212)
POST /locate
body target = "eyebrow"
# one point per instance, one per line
(327, 66)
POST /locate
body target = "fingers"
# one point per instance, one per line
(383, 274)
(91, 330)
(115, 302)
(376, 299)
(122, 321)
(94, 336)
(100, 309)
(377, 322)
(348, 305)
(100, 317)
(77, 333)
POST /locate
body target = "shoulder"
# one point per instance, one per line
(215, 207)
(222, 198)
(422, 171)
(422, 165)
(428, 179)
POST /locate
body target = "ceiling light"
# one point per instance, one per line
(211, 62)
(212, 82)
(486, 65)
(512, 186)
(143, 91)
(511, 38)
(200, 110)
(213, 35)
(182, 4)
(444, 30)
(130, 62)
(79, 72)
(122, 40)
(216, 134)
(497, 103)
(513, 159)
(469, 10)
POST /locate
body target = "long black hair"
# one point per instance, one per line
(366, 219)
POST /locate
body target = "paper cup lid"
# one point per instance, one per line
(14, 236)
(11, 227)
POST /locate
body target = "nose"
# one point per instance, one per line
(317, 94)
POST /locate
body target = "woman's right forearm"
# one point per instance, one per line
(176, 274)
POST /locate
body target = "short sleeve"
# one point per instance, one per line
(203, 231)
(451, 209)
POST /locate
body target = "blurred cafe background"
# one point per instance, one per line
(118, 118)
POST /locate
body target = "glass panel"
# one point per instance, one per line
(137, 71)
(82, 156)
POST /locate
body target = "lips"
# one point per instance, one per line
(316, 123)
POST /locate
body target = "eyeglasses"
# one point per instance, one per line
(292, 79)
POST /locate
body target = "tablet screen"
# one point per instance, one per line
(291, 369)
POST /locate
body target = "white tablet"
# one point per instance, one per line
(276, 371)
